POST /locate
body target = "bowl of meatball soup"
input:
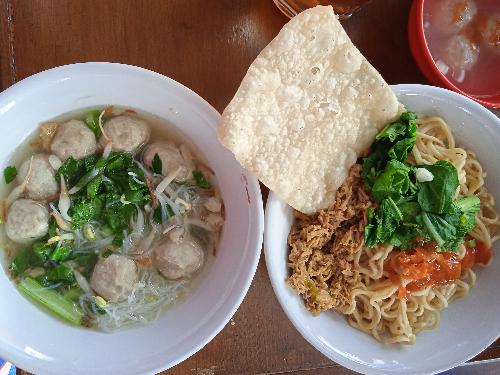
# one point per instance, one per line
(129, 236)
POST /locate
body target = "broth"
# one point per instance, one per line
(464, 39)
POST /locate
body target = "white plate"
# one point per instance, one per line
(35, 341)
(468, 326)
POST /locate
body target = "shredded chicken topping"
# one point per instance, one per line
(324, 245)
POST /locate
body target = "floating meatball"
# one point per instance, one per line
(73, 138)
(126, 133)
(171, 159)
(490, 32)
(41, 185)
(27, 221)
(451, 16)
(460, 54)
(114, 277)
(177, 259)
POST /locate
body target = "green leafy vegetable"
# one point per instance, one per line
(469, 204)
(109, 190)
(21, 262)
(440, 231)
(464, 219)
(409, 116)
(60, 253)
(52, 228)
(117, 161)
(403, 237)
(372, 166)
(410, 210)
(92, 121)
(405, 127)
(371, 228)
(392, 132)
(437, 195)
(136, 196)
(384, 223)
(36, 256)
(157, 164)
(86, 263)
(90, 162)
(62, 307)
(393, 181)
(200, 179)
(42, 251)
(107, 253)
(118, 216)
(87, 178)
(9, 173)
(61, 273)
(85, 210)
(390, 219)
(394, 142)
(71, 170)
(157, 216)
(94, 186)
(401, 149)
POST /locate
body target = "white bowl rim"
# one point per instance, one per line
(275, 279)
(256, 230)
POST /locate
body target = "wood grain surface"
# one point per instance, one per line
(207, 45)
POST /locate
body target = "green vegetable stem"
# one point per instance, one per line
(55, 302)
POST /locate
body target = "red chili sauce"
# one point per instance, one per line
(426, 267)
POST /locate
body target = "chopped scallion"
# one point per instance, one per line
(200, 179)
(9, 174)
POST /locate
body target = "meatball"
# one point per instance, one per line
(27, 220)
(126, 133)
(114, 277)
(73, 138)
(451, 16)
(42, 185)
(171, 159)
(490, 32)
(460, 54)
(177, 259)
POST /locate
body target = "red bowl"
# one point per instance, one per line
(424, 60)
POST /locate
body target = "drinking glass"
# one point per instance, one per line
(344, 8)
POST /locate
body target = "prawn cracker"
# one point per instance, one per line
(309, 104)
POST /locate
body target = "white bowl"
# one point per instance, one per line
(34, 340)
(467, 327)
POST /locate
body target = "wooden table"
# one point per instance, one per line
(207, 45)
